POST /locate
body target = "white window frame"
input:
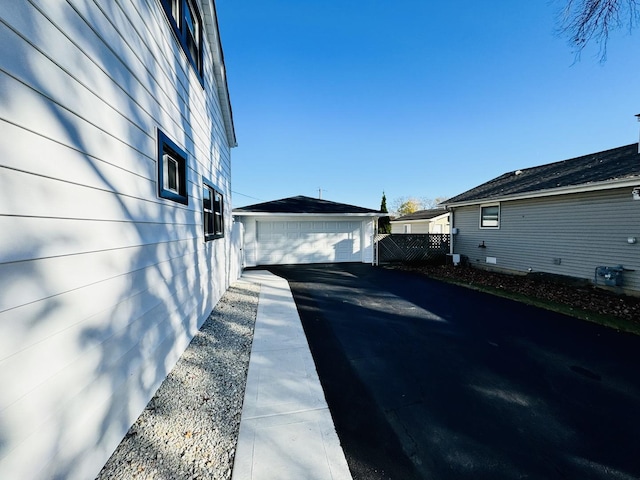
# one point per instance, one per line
(171, 176)
(481, 219)
(172, 182)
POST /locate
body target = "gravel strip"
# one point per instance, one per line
(190, 427)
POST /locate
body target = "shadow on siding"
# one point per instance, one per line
(115, 359)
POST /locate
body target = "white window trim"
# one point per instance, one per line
(484, 205)
(168, 160)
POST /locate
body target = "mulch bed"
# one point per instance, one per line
(575, 294)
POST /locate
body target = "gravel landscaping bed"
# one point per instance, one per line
(190, 427)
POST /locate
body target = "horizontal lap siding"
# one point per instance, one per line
(421, 227)
(581, 231)
(102, 283)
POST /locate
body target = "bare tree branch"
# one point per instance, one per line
(586, 21)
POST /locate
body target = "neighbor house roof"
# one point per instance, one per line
(613, 168)
(304, 205)
(421, 215)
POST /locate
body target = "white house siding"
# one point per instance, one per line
(566, 235)
(439, 224)
(102, 283)
(286, 241)
(414, 227)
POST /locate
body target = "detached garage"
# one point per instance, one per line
(299, 230)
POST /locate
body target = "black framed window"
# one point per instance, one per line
(213, 212)
(172, 170)
(174, 10)
(186, 22)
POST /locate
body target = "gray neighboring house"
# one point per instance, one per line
(566, 218)
(434, 220)
(300, 230)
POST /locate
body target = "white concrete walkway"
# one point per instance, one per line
(286, 429)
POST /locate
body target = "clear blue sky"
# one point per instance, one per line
(413, 98)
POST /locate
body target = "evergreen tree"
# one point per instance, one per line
(384, 225)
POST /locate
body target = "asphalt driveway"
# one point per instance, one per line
(433, 381)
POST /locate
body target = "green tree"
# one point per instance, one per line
(384, 223)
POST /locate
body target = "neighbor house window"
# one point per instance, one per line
(172, 170)
(186, 22)
(490, 216)
(213, 212)
(407, 228)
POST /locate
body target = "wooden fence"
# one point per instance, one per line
(410, 247)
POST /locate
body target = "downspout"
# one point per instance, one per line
(451, 225)
(374, 244)
(638, 118)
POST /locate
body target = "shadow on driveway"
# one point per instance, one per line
(429, 380)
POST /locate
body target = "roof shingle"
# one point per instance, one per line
(620, 163)
(302, 204)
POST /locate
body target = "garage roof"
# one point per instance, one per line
(301, 205)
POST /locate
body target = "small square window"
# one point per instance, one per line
(490, 216)
(172, 170)
(213, 212)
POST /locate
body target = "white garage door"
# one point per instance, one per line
(308, 242)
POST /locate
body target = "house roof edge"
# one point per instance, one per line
(596, 186)
(219, 69)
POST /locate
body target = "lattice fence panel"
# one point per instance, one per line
(412, 247)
